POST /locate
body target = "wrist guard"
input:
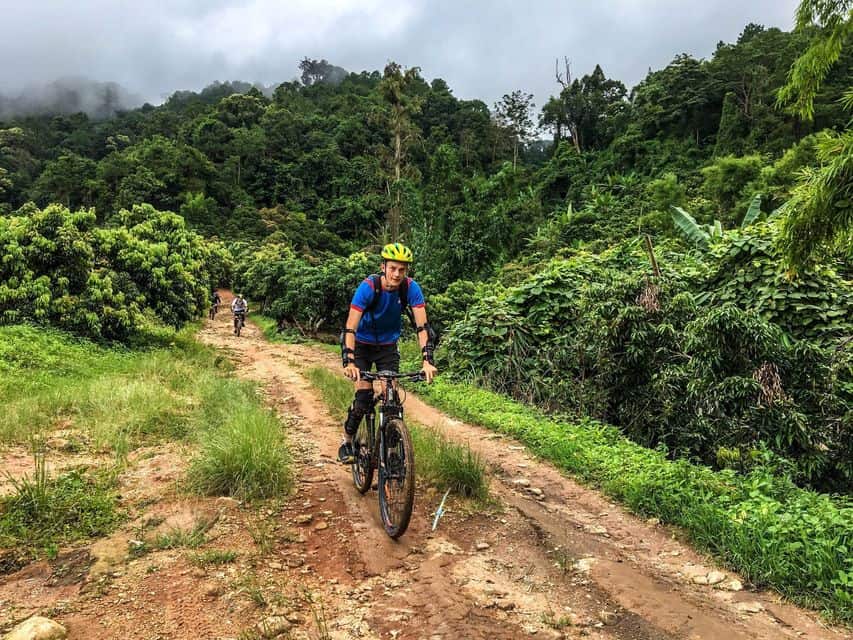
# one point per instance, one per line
(347, 354)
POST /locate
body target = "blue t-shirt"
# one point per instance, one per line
(384, 324)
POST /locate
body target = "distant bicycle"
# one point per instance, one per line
(214, 308)
(239, 322)
(387, 446)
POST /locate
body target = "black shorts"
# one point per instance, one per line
(386, 357)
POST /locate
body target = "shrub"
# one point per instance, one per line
(591, 335)
(63, 270)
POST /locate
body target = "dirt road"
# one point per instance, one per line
(564, 563)
(550, 559)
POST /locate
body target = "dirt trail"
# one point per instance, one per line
(563, 564)
(567, 557)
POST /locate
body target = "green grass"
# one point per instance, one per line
(438, 461)
(121, 398)
(448, 465)
(243, 456)
(268, 326)
(46, 512)
(213, 557)
(169, 387)
(775, 534)
(182, 538)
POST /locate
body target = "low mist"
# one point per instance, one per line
(98, 100)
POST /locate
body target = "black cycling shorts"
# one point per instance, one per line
(386, 357)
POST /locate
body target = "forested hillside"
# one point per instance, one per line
(631, 269)
(673, 259)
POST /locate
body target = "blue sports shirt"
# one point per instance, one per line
(384, 324)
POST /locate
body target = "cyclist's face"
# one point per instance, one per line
(395, 272)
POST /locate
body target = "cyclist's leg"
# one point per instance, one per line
(361, 404)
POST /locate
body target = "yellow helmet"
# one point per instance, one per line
(397, 252)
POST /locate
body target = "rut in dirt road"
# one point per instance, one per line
(563, 563)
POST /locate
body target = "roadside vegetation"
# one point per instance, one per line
(759, 523)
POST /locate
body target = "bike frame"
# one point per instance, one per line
(388, 401)
(390, 406)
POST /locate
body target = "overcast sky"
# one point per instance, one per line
(482, 48)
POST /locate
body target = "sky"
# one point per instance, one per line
(482, 48)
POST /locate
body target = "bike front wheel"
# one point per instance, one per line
(396, 479)
(363, 467)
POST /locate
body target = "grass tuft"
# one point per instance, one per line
(244, 456)
(213, 557)
(448, 465)
(45, 512)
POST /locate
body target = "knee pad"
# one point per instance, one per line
(360, 407)
(363, 400)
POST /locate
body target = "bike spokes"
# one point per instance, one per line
(362, 467)
(396, 479)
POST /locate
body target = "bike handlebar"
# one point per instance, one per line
(369, 376)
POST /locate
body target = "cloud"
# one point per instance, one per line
(482, 48)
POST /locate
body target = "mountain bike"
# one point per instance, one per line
(213, 309)
(386, 446)
(239, 322)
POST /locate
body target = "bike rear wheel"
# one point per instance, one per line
(396, 479)
(363, 467)
(239, 326)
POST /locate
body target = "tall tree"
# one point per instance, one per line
(590, 110)
(513, 112)
(396, 88)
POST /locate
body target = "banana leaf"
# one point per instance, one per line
(753, 212)
(685, 223)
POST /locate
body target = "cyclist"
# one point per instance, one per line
(373, 328)
(215, 301)
(239, 307)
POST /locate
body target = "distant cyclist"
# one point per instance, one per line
(373, 328)
(239, 307)
(215, 301)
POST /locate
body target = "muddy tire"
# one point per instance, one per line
(396, 479)
(363, 467)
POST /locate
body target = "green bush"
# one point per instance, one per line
(591, 335)
(725, 180)
(311, 294)
(748, 270)
(61, 269)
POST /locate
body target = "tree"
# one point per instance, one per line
(834, 19)
(320, 71)
(70, 179)
(820, 213)
(513, 113)
(590, 110)
(396, 88)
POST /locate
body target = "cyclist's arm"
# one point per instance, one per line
(423, 339)
(354, 317)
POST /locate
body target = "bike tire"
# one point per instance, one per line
(363, 467)
(397, 477)
(239, 327)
